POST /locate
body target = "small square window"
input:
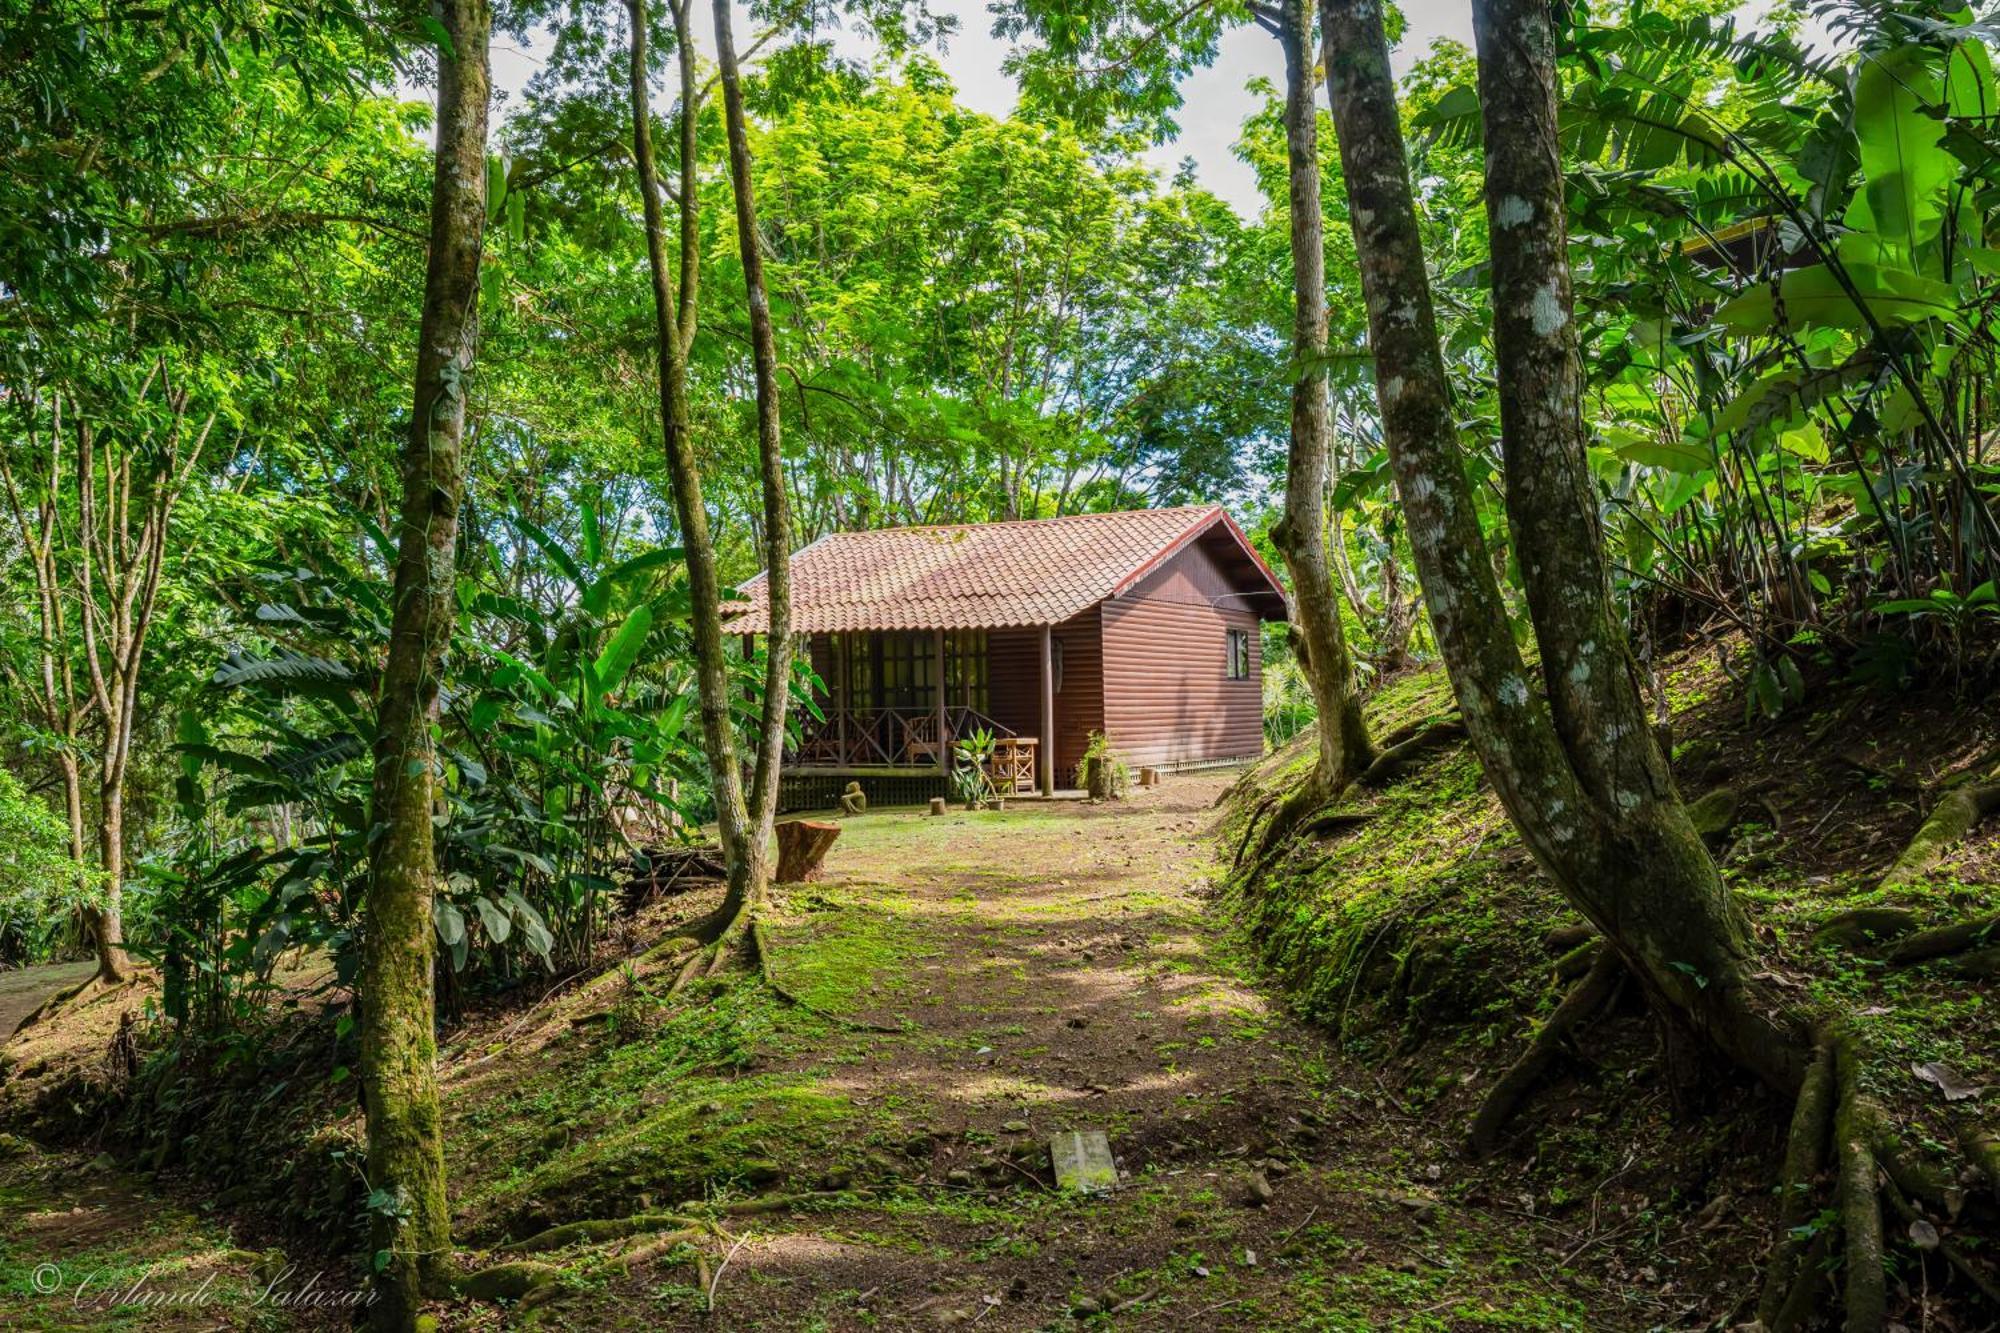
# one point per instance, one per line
(1239, 654)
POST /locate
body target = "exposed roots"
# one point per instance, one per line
(1250, 828)
(1940, 941)
(594, 1231)
(1982, 1148)
(1950, 820)
(1584, 999)
(1834, 1125)
(761, 957)
(1865, 1293)
(1805, 1159)
(1394, 758)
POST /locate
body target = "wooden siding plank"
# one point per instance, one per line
(1167, 696)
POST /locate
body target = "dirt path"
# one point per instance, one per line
(1055, 968)
(1043, 969)
(23, 990)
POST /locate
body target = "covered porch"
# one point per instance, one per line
(895, 702)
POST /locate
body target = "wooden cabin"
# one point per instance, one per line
(1142, 625)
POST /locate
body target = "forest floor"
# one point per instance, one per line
(1284, 1065)
(1047, 968)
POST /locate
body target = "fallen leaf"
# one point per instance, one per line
(1946, 1080)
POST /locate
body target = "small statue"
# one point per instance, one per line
(853, 801)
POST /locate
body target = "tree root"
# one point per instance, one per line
(1805, 1157)
(1939, 941)
(761, 957)
(653, 1249)
(1804, 1296)
(1950, 820)
(1394, 758)
(1333, 821)
(1982, 1147)
(1250, 827)
(594, 1232)
(1303, 800)
(1865, 1290)
(1951, 1253)
(1583, 1000)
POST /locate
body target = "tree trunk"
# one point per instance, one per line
(1576, 767)
(746, 888)
(411, 1239)
(107, 923)
(1300, 536)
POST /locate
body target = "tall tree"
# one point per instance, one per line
(127, 481)
(411, 1224)
(747, 883)
(1301, 535)
(743, 826)
(1573, 760)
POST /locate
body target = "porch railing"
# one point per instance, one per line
(886, 737)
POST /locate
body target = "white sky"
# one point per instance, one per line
(1216, 97)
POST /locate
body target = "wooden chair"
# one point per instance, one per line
(921, 742)
(1014, 764)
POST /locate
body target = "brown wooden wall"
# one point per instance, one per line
(1014, 680)
(1168, 699)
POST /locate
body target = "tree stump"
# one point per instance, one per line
(802, 845)
(1149, 777)
(937, 805)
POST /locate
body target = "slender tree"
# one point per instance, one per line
(1301, 535)
(411, 1224)
(1573, 760)
(127, 483)
(747, 886)
(744, 826)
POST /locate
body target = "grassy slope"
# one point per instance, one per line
(1417, 939)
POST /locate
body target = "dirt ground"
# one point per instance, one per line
(1047, 968)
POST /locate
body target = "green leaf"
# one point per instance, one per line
(450, 922)
(593, 536)
(1904, 166)
(1682, 459)
(441, 37)
(551, 548)
(622, 652)
(1814, 298)
(498, 926)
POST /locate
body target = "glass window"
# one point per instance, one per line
(1239, 654)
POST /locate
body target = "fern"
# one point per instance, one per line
(288, 671)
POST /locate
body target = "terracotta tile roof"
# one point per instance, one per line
(981, 575)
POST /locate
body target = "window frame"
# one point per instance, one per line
(1236, 654)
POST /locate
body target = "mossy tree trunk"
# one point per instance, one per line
(1574, 760)
(743, 825)
(1301, 534)
(410, 1227)
(747, 884)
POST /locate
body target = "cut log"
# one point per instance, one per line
(1149, 777)
(937, 805)
(802, 845)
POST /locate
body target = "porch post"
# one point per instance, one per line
(944, 755)
(1048, 745)
(841, 703)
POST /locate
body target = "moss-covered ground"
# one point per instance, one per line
(1284, 1065)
